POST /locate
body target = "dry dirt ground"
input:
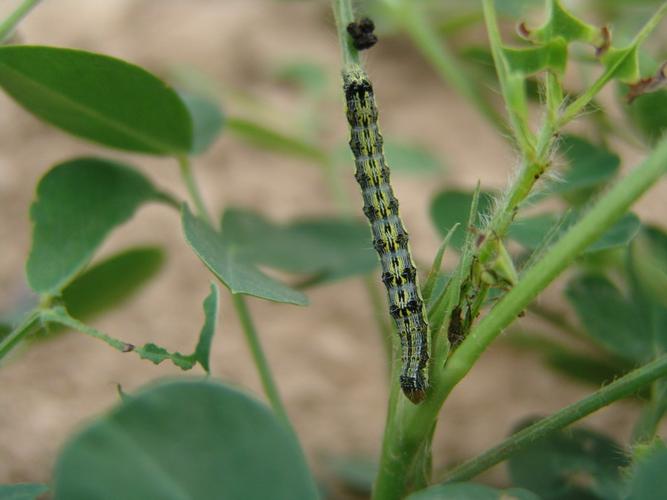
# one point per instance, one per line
(327, 358)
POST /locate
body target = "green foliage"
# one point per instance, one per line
(573, 464)
(453, 207)
(97, 97)
(326, 249)
(225, 259)
(112, 281)
(355, 473)
(78, 203)
(23, 491)
(471, 491)
(648, 476)
(207, 121)
(191, 439)
(648, 261)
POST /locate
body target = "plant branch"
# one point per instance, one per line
(8, 25)
(621, 388)
(270, 388)
(344, 15)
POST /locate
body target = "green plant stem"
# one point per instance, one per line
(8, 25)
(409, 14)
(270, 388)
(621, 388)
(16, 336)
(409, 426)
(193, 189)
(344, 15)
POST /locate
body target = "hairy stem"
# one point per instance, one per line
(262, 364)
(619, 389)
(8, 25)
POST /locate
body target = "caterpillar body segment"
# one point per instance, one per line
(390, 239)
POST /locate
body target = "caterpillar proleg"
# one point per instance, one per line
(390, 239)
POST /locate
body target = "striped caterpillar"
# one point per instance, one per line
(399, 273)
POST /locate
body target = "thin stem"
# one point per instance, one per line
(270, 388)
(409, 14)
(193, 189)
(344, 15)
(59, 316)
(8, 25)
(30, 323)
(621, 388)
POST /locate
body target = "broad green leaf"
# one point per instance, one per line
(326, 248)
(111, 281)
(531, 231)
(649, 114)
(471, 491)
(648, 480)
(356, 473)
(98, 98)
(573, 464)
(269, 139)
(228, 262)
(589, 166)
(187, 439)
(610, 318)
(78, 203)
(623, 64)
(207, 120)
(23, 491)
(649, 263)
(450, 207)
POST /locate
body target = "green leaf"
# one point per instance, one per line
(450, 207)
(202, 352)
(471, 491)
(648, 112)
(111, 281)
(623, 64)
(78, 203)
(649, 263)
(23, 491)
(565, 25)
(609, 318)
(573, 464)
(98, 98)
(531, 231)
(531, 60)
(207, 121)
(648, 477)
(589, 166)
(269, 139)
(187, 439)
(227, 261)
(326, 248)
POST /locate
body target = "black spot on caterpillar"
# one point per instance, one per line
(362, 33)
(390, 239)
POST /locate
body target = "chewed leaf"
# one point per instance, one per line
(202, 352)
(156, 354)
(226, 260)
(78, 203)
(529, 61)
(185, 439)
(97, 97)
(565, 25)
(623, 63)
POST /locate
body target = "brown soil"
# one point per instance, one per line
(327, 358)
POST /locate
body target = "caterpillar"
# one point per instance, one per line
(390, 239)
